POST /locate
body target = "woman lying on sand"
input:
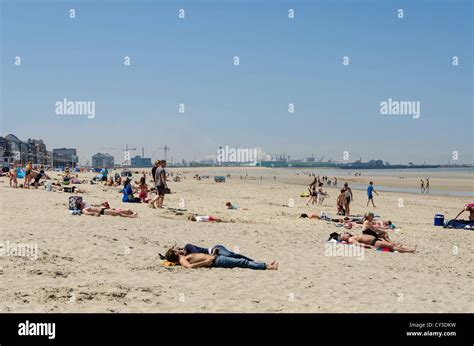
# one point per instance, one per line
(98, 211)
(369, 241)
(215, 260)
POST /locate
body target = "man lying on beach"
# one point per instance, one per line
(369, 241)
(469, 208)
(207, 218)
(213, 250)
(215, 260)
(98, 211)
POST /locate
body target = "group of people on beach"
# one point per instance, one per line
(425, 186)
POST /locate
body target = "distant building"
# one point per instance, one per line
(139, 161)
(37, 153)
(63, 157)
(16, 151)
(100, 160)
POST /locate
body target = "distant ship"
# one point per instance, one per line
(379, 164)
(296, 164)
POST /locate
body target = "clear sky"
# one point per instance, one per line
(282, 61)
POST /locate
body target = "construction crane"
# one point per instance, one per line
(166, 149)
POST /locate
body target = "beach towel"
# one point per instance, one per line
(460, 224)
(20, 174)
(169, 264)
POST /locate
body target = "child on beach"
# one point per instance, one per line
(143, 194)
(340, 203)
(312, 194)
(229, 205)
(13, 177)
(321, 194)
(370, 191)
(206, 218)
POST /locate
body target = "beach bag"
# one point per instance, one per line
(73, 201)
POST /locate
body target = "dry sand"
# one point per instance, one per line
(111, 264)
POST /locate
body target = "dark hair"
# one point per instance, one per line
(342, 190)
(371, 183)
(171, 256)
(304, 215)
(126, 182)
(78, 204)
(142, 180)
(334, 235)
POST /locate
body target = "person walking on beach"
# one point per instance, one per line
(422, 186)
(160, 183)
(427, 189)
(370, 191)
(348, 198)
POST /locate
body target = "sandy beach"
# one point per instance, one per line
(111, 264)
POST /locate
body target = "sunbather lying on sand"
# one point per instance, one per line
(213, 250)
(216, 260)
(206, 218)
(98, 211)
(369, 241)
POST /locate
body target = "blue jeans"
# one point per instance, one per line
(230, 262)
(227, 253)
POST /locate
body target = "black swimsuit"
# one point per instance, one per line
(374, 241)
(102, 211)
(370, 232)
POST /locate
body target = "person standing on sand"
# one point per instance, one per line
(370, 191)
(427, 189)
(13, 177)
(160, 183)
(28, 170)
(422, 186)
(153, 170)
(348, 198)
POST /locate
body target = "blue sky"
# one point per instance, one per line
(282, 61)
